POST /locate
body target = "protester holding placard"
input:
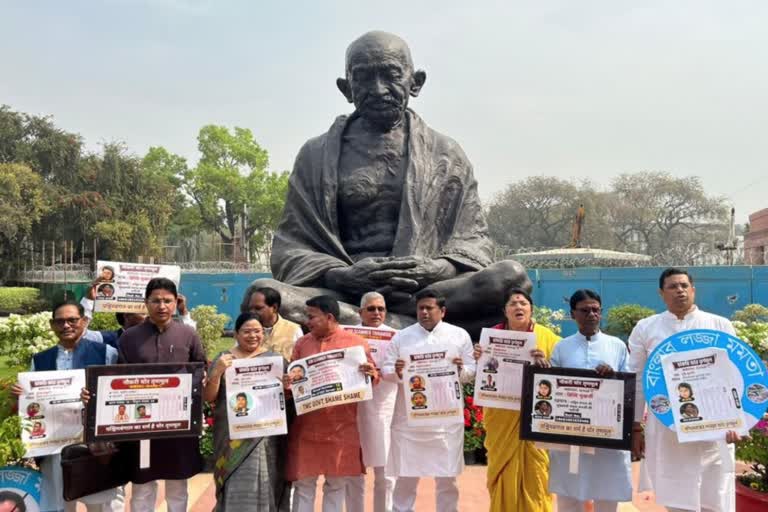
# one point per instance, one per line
(244, 466)
(435, 449)
(518, 472)
(161, 340)
(606, 475)
(684, 476)
(374, 417)
(71, 353)
(325, 441)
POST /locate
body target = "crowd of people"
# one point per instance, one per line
(339, 443)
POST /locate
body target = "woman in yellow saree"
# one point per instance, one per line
(518, 472)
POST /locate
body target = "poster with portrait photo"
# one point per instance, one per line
(121, 286)
(431, 388)
(499, 377)
(705, 394)
(50, 410)
(144, 401)
(329, 378)
(577, 407)
(255, 398)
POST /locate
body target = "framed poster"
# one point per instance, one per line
(577, 407)
(702, 383)
(122, 286)
(144, 401)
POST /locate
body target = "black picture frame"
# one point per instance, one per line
(526, 409)
(92, 374)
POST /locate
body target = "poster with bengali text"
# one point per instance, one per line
(255, 398)
(143, 405)
(577, 407)
(705, 389)
(378, 340)
(121, 286)
(499, 377)
(50, 410)
(431, 387)
(329, 378)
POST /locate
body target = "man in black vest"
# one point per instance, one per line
(73, 352)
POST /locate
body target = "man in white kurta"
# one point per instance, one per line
(695, 476)
(432, 451)
(604, 476)
(374, 419)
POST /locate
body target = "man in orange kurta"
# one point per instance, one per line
(326, 441)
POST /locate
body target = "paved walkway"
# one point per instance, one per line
(473, 496)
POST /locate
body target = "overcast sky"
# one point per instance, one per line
(564, 88)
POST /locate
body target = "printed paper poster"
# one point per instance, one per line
(499, 377)
(255, 398)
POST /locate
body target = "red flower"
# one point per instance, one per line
(479, 432)
(469, 400)
(209, 421)
(467, 418)
(479, 415)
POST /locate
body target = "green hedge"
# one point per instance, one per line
(21, 300)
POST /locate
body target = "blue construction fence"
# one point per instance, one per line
(720, 290)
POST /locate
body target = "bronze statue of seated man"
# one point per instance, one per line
(383, 202)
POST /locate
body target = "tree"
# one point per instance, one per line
(236, 196)
(538, 213)
(672, 219)
(22, 204)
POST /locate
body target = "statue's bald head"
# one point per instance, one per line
(377, 42)
(380, 78)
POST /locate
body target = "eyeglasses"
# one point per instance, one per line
(371, 309)
(587, 311)
(157, 302)
(61, 322)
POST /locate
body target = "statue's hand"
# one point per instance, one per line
(355, 279)
(403, 273)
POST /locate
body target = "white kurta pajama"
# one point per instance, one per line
(605, 475)
(688, 476)
(428, 451)
(374, 420)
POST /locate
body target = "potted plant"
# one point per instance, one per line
(752, 487)
(474, 430)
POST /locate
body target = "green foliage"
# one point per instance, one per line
(549, 318)
(754, 451)
(474, 429)
(751, 324)
(104, 322)
(19, 300)
(210, 325)
(751, 313)
(23, 336)
(11, 447)
(232, 189)
(623, 318)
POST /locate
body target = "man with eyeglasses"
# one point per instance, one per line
(606, 475)
(162, 340)
(280, 334)
(684, 476)
(374, 419)
(73, 352)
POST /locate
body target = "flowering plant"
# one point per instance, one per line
(23, 336)
(474, 430)
(754, 451)
(549, 318)
(751, 324)
(206, 440)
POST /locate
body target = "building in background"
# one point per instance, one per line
(756, 240)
